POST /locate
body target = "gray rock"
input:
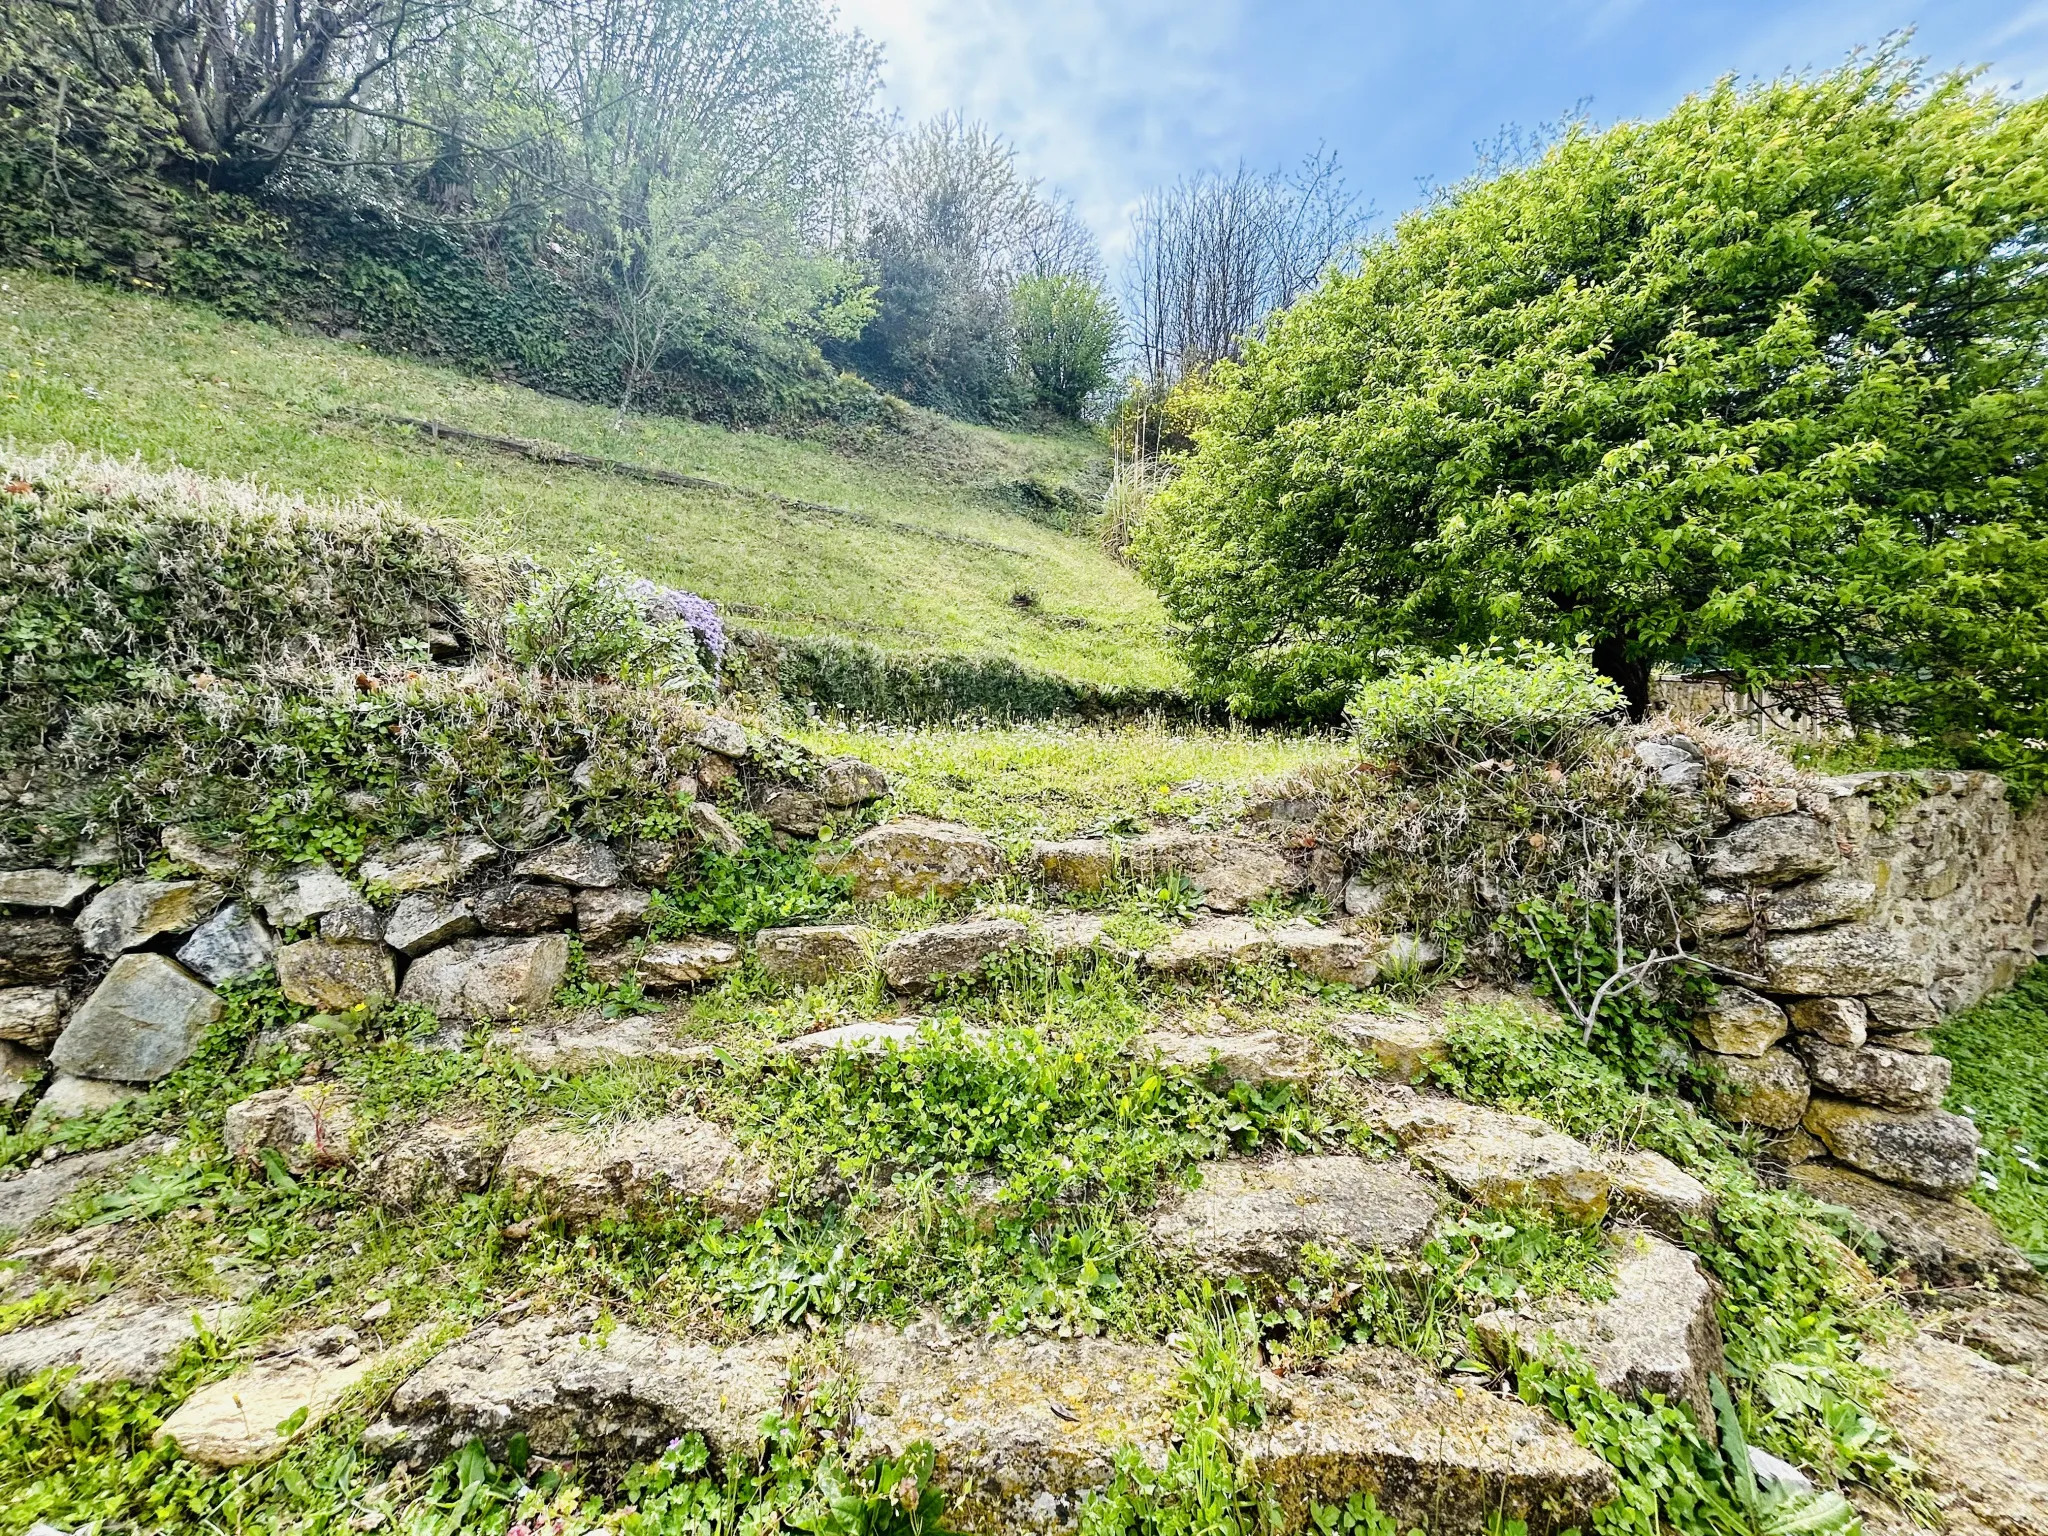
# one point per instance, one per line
(115, 1340)
(795, 811)
(1329, 954)
(847, 781)
(728, 738)
(526, 907)
(916, 857)
(1897, 1080)
(30, 1195)
(1901, 1011)
(231, 945)
(488, 978)
(73, 1098)
(1849, 961)
(917, 962)
(310, 1125)
(1753, 801)
(130, 914)
(19, 1071)
(296, 897)
(1254, 1219)
(1935, 1153)
(1943, 1242)
(1656, 1335)
(633, 1168)
(1912, 1042)
(336, 977)
(607, 917)
(1770, 1090)
(1979, 1432)
(30, 1015)
(421, 922)
(427, 864)
(590, 1042)
(1842, 1021)
(238, 1420)
(353, 922)
(1501, 1159)
(1410, 952)
(2013, 1330)
(1722, 912)
(1673, 765)
(1231, 872)
(652, 860)
(1256, 1056)
(577, 862)
(1404, 1043)
(1066, 937)
(810, 955)
(36, 949)
(1651, 1189)
(140, 1023)
(870, 1037)
(689, 962)
(45, 890)
(1836, 898)
(432, 1162)
(1366, 898)
(714, 831)
(185, 847)
(1212, 944)
(1774, 851)
(1739, 1023)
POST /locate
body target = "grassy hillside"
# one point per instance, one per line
(129, 374)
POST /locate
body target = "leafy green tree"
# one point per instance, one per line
(1066, 329)
(1758, 386)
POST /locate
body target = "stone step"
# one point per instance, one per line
(1025, 1430)
(1253, 1220)
(1498, 1158)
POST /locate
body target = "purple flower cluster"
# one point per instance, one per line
(672, 605)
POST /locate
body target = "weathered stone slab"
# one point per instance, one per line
(113, 1340)
(1978, 1430)
(239, 1420)
(432, 1161)
(1231, 872)
(1774, 851)
(1254, 1219)
(29, 1015)
(1842, 1021)
(1404, 1043)
(1739, 1023)
(1502, 1159)
(72, 1098)
(677, 963)
(632, 1167)
(45, 890)
(1212, 944)
(1902, 1080)
(525, 906)
(714, 831)
(870, 1038)
(1752, 801)
(917, 962)
(488, 978)
(1849, 961)
(140, 1023)
(1943, 1242)
(1935, 1153)
(1330, 955)
(584, 1044)
(807, 956)
(799, 812)
(576, 861)
(423, 921)
(36, 949)
(1253, 1056)
(606, 917)
(1656, 1335)
(916, 857)
(1651, 1189)
(353, 922)
(133, 912)
(297, 896)
(309, 1125)
(28, 1196)
(847, 781)
(336, 977)
(2011, 1329)
(1770, 1090)
(427, 864)
(186, 847)
(1836, 898)
(231, 945)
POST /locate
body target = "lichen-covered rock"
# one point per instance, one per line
(1656, 1334)
(488, 978)
(36, 949)
(1770, 1090)
(2011, 1329)
(1739, 1023)
(1231, 872)
(45, 890)
(1329, 954)
(353, 922)
(1721, 912)
(297, 896)
(73, 1098)
(115, 1340)
(1979, 1432)
(1068, 936)
(238, 1421)
(131, 913)
(1902, 1010)
(27, 1196)
(651, 860)
(1842, 1021)
(1943, 1242)
(917, 962)
(140, 1023)
(1901, 1080)
(433, 1161)
(714, 831)
(916, 857)
(310, 1125)
(1773, 851)
(1404, 1043)
(1254, 1219)
(1253, 1056)
(1849, 961)
(186, 847)
(1752, 801)
(847, 781)
(525, 906)
(231, 945)
(423, 921)
(1502, 1159)
(30, 1016)
(632, 1168)
(1836, 898)
(1651, 1189)
(427, 864)
(677, 963)
(1212, 944)
(798, 812)
(808, 956)
(607, 917)
(724, 736)
(336, 977)
(1935, 1153)
(576, 861)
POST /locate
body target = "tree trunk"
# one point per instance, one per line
(1627, 673)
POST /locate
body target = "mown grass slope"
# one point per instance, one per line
(134, 375)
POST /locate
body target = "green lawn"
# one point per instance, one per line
(2000, 1051)
(127, 374)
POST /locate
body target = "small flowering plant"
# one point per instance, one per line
(598, 620)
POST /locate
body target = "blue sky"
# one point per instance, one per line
(1105, 98)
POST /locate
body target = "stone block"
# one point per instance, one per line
(1740, 1023)
(576, 861)
(714, 831)
(1870, 1074)
(1770, 1090)
(423, 921)
(488, 978)
(1774, 851)
(296, 897)
(1836, 898)
(45, 890)
(140, 1023)
(129, 914)
(73, 1098)
(916, 857)
(433, 1161)
(807, 956)
(1253, 1220)
(917, 962)
(795, 811)
(1850, 961)
(184, 847)
(1404, 1043)
(634, 1167)
(1212, 944)
(1501, 1159)
(1256, 1056)
(310, 1125)
(232, 945)
(116, 1340)
(427, 864)
(607, 917)
(1842, 1021)
(353, 922)
(36, 949)
(336, 977)
(677, 963)
(1943, 1242)
(1328, 954)
(845, 782)
(527, 906)
(30, 1016)
(1935, 1153)
(1651, 1189)
(239, 1421)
